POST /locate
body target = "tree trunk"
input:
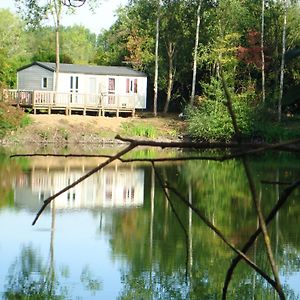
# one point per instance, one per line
(282, 62)
(56, 12)
(156, 62)
(196, 54)
(57, 60)
(170, 51)
(263, 52)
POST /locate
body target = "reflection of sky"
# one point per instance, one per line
(76, 239)
(293, 281)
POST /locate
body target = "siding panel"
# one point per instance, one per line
(31, 78)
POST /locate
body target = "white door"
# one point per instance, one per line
(74, 84)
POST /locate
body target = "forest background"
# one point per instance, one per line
(248, 40)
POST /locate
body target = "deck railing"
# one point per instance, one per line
(51, 100)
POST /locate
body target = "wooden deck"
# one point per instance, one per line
(40, 101)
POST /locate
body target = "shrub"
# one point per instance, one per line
(11, 118)
(211, 121)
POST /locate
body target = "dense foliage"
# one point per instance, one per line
(229, 36)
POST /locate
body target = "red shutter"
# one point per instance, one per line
(135, 85)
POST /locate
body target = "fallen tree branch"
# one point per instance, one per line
(59, 155)
(255, 148)
(91, 172)
(223, 238)
(175, 213)
(262, 222)
(281, 201)
(264, 230)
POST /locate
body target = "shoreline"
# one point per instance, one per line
(78, 131)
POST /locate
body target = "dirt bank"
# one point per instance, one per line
(61, 129)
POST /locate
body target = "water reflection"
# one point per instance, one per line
(120, 237)
(112, 187)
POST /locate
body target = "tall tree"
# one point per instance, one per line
(282, 59)
(156, 60)
(196, 53)
(174, 33)
(35, 11)
(12, 47)
(262, 50)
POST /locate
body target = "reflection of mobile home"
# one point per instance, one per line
(116, 186)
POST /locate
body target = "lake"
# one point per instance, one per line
(120, 235)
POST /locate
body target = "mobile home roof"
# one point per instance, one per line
(88, 69)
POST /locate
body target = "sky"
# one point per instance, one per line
(103, 17)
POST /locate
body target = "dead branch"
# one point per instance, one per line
(73, 3)
(281, 201)
(88, 174)
(174, 212)
(275, 182)
(264, 230)
(262, 222)
(254, 148)
(223, 238)
(59, 155)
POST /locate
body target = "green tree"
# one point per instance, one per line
(78, 43)
(12, 47)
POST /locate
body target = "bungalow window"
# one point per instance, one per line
(131, 86)
(44, 82)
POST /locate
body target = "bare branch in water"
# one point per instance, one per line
(91, 172)
(281, 201)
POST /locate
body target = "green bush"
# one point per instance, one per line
(11, 118)
(210, 119)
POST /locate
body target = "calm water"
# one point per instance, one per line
(116, 235)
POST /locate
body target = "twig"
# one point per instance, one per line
(275, 182)
(255, 148)
(264, 230)
(99, 167)
(160, 180)
(254, 194)
(281, 201)
(223, 238)
(59, 155)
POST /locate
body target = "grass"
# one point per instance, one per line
(287, 129)
(139, 130)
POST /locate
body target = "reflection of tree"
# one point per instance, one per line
(166, 255)
(8, 171)
(29, 277)
(166, 274)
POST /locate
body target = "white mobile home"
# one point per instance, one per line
(84, 85)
